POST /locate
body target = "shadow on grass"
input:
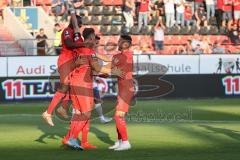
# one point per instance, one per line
(228, 132)
(203, 114)
(59, 131)
(55, 132)
(104, 137)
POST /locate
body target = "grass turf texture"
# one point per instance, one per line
(158, 130)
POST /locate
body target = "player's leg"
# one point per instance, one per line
(122, 131)
(76, 125)
(63, 109)
(118, 142)
(103, 119)
(76, 114)
(124, 101)
(77, 121)
(64, 69)
(82, 99)
(84, 142)
(98, 107)
(86, 103)
(57, 98)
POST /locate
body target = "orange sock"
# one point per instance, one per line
(79, 122)
(58, 96)
(119, 135)
(71, 130)
(76, 126)
(85, 132)
(121, 127)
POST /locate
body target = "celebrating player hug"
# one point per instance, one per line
(78, 63)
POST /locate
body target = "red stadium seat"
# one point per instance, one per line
(41, 2)
(112, 2)
(134, 40)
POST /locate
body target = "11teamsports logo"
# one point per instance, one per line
(20, 89)
(231, 85)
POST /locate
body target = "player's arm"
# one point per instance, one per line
(71, 45)
(77, 33)
(107, 69)
(74, 22)
(105, 58)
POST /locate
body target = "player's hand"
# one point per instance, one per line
(116, 71)
(81, 61)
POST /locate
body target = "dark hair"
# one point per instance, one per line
(97, 37)
(57, 24)
(41, 29)
(87, 32)
(127, 38)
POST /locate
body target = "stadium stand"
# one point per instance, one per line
(8, 45)
(108, 22)
(105, 16)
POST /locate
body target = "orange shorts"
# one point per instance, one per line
(124, 99)
(65, 67)
(81, 94)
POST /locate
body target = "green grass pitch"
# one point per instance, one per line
(207, 129)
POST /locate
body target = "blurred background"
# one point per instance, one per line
(186, 61)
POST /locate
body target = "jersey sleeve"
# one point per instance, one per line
(77, 38)
(67, 34)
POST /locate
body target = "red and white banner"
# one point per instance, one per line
(219, 64)
(175, 64)
(32, 66)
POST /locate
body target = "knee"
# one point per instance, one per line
(120, 114)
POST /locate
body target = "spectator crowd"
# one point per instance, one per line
(167, 15)
(183, 12)
(5, 3)
(199, 14)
